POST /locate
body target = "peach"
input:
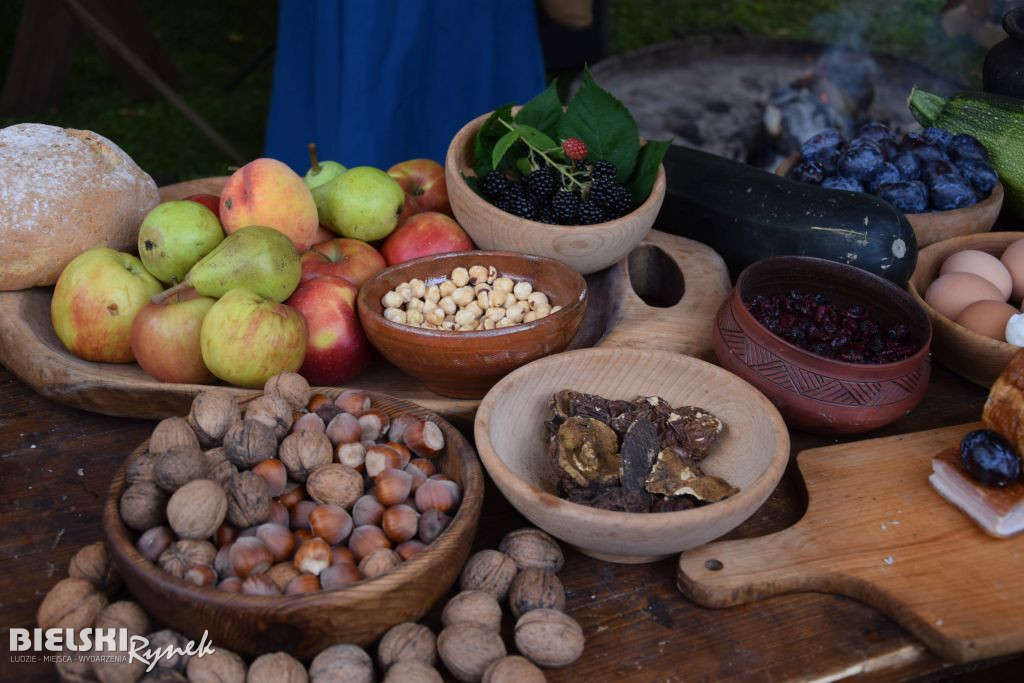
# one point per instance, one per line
(267, 192)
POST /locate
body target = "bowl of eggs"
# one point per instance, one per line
(971, 288)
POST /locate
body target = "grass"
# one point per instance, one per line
(212, 41)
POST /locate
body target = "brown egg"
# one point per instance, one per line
(987, 318)
(951, 293)
(982, 264)
(1013, 259)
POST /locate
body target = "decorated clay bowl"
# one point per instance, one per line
(467, 364)
(751, 453)
(814, 393)
(586, 248)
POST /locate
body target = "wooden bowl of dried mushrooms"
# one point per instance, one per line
(631, 455)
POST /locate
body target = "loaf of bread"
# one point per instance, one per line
(63, 191)
(1004, 409)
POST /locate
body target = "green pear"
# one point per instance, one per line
(321, 172)
(256, 257)
(174, 236)
(363, 203)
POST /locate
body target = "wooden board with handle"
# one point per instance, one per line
(684, 282)
(876, 531)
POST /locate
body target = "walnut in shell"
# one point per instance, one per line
(93, 564)
(531, 547)
(468, 649)
(124, 614)
(179, 465)
(171, 432)
(490, 571)
(412, 671)
(219, 468)
(335, 484)
(141, 468)
(549, 638)
(221, 666)
(304, 451)
(407, 640)
(249, 501)
(513, 669)
(249, 442)
(292, 387)
(197, 509)
(535, 588)
(474, 607)
(212, 412)
(379, 561)
(342, 663)
(273, 411)
(165, 640)
(183, 554)
(143, 505)
(71, 603)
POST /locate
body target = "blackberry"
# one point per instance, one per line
(601, 189)
(603, 169)
(494, 185)
(517, 203)
(565, 207)
(591, 213)
(618, 203)
(542, 183)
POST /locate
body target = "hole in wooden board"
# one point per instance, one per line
(655, 277)
(713, 565)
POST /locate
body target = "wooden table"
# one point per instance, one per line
(56, 463)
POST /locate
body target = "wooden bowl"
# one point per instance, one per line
(973, 356)
(936, 226)
(751, 453)
(814, 393)
(306, 624)
(467, 364)
(587, 248)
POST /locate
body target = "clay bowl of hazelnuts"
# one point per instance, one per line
(294, 521)
(459, 322)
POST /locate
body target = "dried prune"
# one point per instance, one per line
(990, 458)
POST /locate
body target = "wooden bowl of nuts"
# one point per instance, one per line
(459, 322)
(295, 530)
(512, 433)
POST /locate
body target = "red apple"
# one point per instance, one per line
(165, 339)
(422, 235)
(323, 235)
(353, 260)
(337, 349)
(210, 201)
(423, 180)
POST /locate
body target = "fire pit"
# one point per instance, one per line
(754, 99)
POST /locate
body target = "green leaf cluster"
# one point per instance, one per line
(524, 141)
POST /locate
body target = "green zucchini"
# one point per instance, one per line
(746, 214)
(997, 122)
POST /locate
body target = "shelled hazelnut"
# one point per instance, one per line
(469, 299)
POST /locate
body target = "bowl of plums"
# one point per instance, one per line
(941, 181)
(838, 350)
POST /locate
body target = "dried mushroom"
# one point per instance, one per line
(588, 451)
(640, 447)
(676, 475)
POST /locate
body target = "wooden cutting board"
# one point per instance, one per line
(876, 531)
(664, 295)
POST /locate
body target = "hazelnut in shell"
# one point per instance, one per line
(276, 667)
(181, 555)
(439, 494)
(178, 466)
(379, 561)
(212, 412)
(353, 401)
(473, 607)
(535, 588)
(249, 442)
(309, 421)
(219, 666)
(468, 649)
(549, 638)
(248, 499)
(197, 509)
(367, 510)
(170, 432)
(393, 486)
(513, 669)
(410, 549)
(344, 428)
(491, 571)
(335, 484)
(249, 555)
(339, 575)
(400, 523)
(271, 410)
(303, 583)
(143, 506)
(313, 557)
(201, 575)
(304, 451)
(260, 584)
(424, 438)
(292, 387)
(531, 547)
(344, 662)
(407, 640)
(412, 671)
(93, 564)
(153, 542)
(274, 473)
(278, 539)
(71, 603)
(365, 539)
(431, 524)
(331, 523)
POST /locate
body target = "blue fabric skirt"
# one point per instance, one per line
(376, 82)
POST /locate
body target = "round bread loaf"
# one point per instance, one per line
(63, 191)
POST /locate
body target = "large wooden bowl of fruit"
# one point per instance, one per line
(942, 182)
(549, 182)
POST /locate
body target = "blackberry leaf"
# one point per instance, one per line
(649, 159)
(603, 122)
(543, 111)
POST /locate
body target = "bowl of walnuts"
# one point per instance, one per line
(294, 522)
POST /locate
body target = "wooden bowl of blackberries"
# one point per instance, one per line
(838, 350)
(941, 181)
